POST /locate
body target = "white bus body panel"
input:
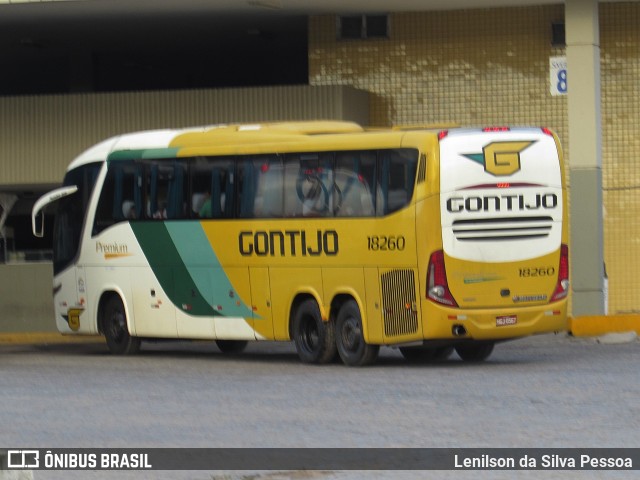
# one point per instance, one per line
(470, 192)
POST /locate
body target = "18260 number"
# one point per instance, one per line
(386, 243)
(537, 272)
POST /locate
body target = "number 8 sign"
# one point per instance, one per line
(558, 75)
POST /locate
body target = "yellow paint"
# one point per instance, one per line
(74, 318)
(112, 256)
(590, 326)
(27, 338)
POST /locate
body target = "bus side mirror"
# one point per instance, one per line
(37, 224)
(37, 213)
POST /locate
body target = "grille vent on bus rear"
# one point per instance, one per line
(422, 168)
(399, 303)
(507, 228)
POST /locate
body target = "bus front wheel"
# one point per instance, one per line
(314, 339)
(475, 352)
(115, 329)
(353, 349)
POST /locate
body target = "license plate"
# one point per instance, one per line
(506, 320)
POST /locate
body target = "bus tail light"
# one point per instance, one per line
(562, 287)
(437, 285)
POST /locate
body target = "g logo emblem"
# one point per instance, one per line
(73, 318)
(501, 158)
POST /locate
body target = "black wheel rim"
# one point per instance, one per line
(117, 327)
(309, 335)
(351, 334)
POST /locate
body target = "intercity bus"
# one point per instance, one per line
(339, 238)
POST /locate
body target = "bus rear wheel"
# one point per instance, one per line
(115, 329)
(231, 347)
(475, 352)
(353, 349)
(314, 339)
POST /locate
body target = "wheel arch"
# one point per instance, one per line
(299, 298)
(340, 299)
(105, 296)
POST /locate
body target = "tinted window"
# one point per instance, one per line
(70, 215)
(358, 183)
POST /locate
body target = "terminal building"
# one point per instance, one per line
(77, 72)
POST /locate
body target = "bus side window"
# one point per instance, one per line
(314, 185)
(396, 179)
(268, 201)
(166, 190)
(355, 174)
(121, 196)
(247, 184)
(212, 186)
(292, 206)
(176, 189)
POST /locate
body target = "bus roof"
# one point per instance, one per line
(248, 138)
(155, 140)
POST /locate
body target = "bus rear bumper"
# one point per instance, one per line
(489, 324)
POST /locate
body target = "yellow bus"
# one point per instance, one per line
(339, 238)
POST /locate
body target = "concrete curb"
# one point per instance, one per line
(596, 325)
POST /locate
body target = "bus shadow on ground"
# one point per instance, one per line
(505, 354)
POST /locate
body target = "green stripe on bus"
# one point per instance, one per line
(144, 153)
(205, 270)
(169, 268)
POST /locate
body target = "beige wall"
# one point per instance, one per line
(26, 302)
(487, 67)
(40, 135)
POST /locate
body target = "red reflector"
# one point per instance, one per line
(437, 285)
(496, 129)
(503, 185)
(442, 134)
(562, 286)
(546, 131)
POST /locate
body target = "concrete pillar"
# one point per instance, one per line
(585, 152)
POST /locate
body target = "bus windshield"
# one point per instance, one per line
(70, 214)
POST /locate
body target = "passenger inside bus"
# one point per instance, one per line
(129, 209)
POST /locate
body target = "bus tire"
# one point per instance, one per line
(353, 349)
(475, 352)
(314, 339)
(115, 329)
(426, 354)
(231, 347)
